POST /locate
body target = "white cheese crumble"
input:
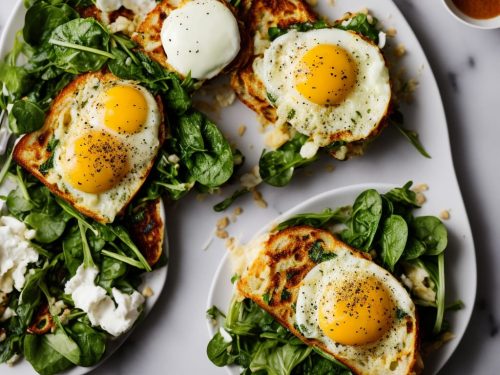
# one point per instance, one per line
(381, 39)
(309, 150)
(418, 280)
(16, 252)
(114, 315)
(136, 6)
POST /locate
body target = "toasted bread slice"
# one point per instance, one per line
(148, 230)
(260, 16)
(276, 274)
(33, 151)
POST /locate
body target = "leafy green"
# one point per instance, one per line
(48, 228)
(217, 350)
(318, 254)
(80, 45)
(431, 232)
(364, 221)
(278, 360)
(25, 117)
(275, 32)
(276, 167)
(361, 24)
(44, 359)
(16, 79)
(317, 220)
(221, 206)
(393, 240)
(92, 344)
(42, 18)
(64, 345)
(396, 118)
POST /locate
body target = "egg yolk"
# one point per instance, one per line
(99, 162)
(125, 109)
(356, 313)
(325, 75)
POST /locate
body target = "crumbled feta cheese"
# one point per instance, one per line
(100, 307)
(418, 280)
(138, 7)
(7, 314)
(309, 150)
(16, 252)
(381, 39)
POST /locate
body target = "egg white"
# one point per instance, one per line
(356, 117)
(395, 347)
(84, 113)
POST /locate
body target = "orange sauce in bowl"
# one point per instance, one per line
(480, 9)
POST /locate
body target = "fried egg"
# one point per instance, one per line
(201, 38)
(97, 145)
(330, 84)
(359, 312)
(334, 298)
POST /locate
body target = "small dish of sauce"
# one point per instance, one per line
(484, 14)
(480, 9)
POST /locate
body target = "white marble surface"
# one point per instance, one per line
(466, 63)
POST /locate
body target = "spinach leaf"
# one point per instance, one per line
(111, 269)
(317, 220)
(44, 359)
(64, 345)
(393, 240)
(316, 364)
(29, 299)
(79, 46)
(10, 346)
(431, 232)
(25, 117)
(218, 351)
(205, 151)
(48, 228)
(278, 359)
(414, 248)
(42, 18)
(318, 254)
(17, 203)
(91, 343)
(360, 24)
(403, 196)
(364, 222)
(276, 167)
(15, 78)
(72, 249)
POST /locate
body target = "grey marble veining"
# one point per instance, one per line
(465, 62)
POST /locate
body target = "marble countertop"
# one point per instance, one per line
(465, 62)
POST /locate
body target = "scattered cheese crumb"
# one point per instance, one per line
(222, 234)
(223, 223)
(363, 10)
(3, 335)
(391, 33)
(445, 215)
(225, 96)
(63, 318)
(241, 130)
(251, 179)
(400, 50)
(12, 360)
(238, 211)
(257, 197)
(421, 199)
(420, 188)
(147, 292)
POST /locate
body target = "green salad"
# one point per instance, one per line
(410, 247)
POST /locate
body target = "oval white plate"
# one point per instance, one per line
(459, 263)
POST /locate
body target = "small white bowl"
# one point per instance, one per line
(490, 23)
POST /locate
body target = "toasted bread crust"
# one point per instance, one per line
(32, 149)
(148, 232)
(260, 16)
(148, 35)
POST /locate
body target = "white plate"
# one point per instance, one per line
(459, 257)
